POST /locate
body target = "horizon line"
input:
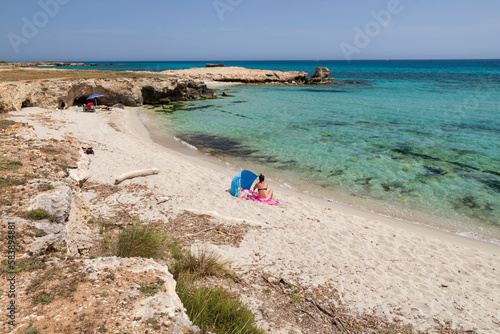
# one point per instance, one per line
(246, 60)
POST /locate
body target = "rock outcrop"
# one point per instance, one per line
(165, 306)
(44, 244)
(57, 202)
(240, 74)
(126, 91)
(321, 76)
(176, 85)
(80, 238)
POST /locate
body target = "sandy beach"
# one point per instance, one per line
(377, 264)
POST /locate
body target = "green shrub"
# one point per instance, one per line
(39, 214)
(42, 297)
(215, 309)
(141, 241)
(46, 187)
(11, 182)
(203, 263)
(5, 123)
(6, 164)
(33, 331)
(153, 288)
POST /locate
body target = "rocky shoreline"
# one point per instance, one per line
(252, 76)
(177, 85)
(127, 91)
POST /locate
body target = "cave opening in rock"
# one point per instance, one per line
(81, 100)
(26, 103)
(62, 105)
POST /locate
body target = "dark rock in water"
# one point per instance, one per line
(336, 172)
(321, 76)
(470, 202)
(215, 65)
(435, 170)
(225, 94)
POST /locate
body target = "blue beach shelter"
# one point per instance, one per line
(243, 180)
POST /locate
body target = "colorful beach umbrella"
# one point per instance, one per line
(94, 96)
(243, 180)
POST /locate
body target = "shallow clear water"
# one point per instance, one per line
(415, 135)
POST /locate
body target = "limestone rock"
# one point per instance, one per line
(240, 74)
(56, 202)
(225, 94)
(165, 306)
(42, 245)
(321, 75)
(124, 91)
(48, 228)
(80, 238)
(82, 173)
(159, 305)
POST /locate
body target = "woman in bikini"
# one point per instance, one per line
(262, 189)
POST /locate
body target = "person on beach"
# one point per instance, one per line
(264, 194)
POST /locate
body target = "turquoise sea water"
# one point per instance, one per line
(419, 140)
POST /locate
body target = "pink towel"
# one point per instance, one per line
(257, 199)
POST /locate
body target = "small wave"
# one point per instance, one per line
(480, 237)
(287, 186)
(185, 143)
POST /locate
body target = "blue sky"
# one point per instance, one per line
(112, 30)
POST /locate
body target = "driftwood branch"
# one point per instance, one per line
(137, 173)
(336, 321)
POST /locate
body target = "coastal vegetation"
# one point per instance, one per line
(210, 308)
(215, 309)
(6, 164)
(39, 214)
(33, 74)
(140, 240)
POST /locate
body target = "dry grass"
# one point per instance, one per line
(215, 309)
(200, 264)
(141, 241)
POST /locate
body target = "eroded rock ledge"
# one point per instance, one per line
(168, 86)
(127, 91)
(241, 74)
